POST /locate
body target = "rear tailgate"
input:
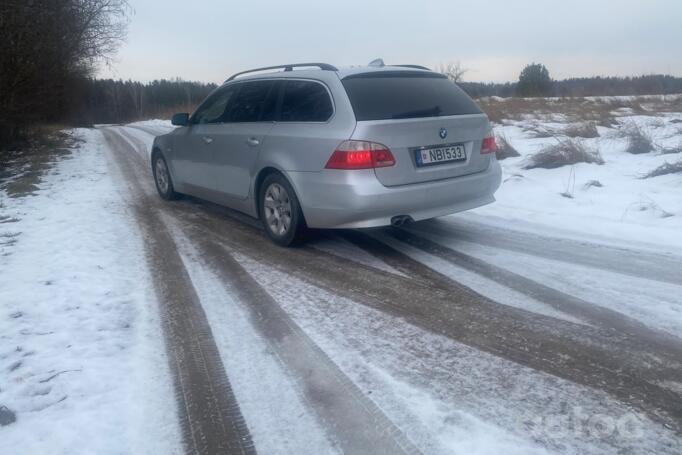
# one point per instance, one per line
(405, 138)
(418, 114)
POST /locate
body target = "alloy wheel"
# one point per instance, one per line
(277, 206)
(162, 177)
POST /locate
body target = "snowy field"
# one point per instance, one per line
(84, 368)
(622, 207)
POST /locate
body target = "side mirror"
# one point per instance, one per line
(181, 119)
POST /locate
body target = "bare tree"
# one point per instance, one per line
(98, 29)
(453, 70)
(47, 45)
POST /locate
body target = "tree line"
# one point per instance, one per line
(117, 101)
(535, 81)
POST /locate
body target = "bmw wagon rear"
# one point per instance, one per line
(420, 148)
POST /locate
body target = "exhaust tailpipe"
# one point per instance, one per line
(401, 220)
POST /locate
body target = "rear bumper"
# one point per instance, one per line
(356, 199)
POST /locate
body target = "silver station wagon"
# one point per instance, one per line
(312, 146)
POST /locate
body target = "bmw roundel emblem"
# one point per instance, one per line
(443, 133)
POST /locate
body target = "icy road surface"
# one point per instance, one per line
(171, 327)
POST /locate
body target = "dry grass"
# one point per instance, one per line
(538, 131)
(22, 169)
(665, 169)
(675, 148)
(671, 150)
(592, 184)
(585, 130)
(600, 111)
(504, 148)
(639, 139)
(565, 152)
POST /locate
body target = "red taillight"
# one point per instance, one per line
(360, 155)
(341, 159)
(488, 145)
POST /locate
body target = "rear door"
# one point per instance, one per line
(237, 143)
(308, 128)
(432, 127)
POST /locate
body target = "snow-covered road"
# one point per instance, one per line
(458, 335)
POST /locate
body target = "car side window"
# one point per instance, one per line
(305, 101)
(213, 110)
(269, 112)
(250, 102)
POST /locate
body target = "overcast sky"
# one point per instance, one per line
(207, 40)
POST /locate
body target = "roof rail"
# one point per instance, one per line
(418, 67)
(289, 67)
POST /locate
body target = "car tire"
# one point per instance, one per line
(162, 178)
(280, 211)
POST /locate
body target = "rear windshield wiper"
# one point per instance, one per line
(430, 112)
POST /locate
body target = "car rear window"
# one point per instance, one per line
(398, 95)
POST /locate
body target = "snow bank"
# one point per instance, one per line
(82, 359)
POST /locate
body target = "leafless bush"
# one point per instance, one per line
(565, 152)
(504, 148)
(665, 169)
(584, 129)
(639, 139)
(48, 45)
(633, 105)
(646, 204)
(592, 184)
(671, 150)
(539, 131)
(665, 103)
(453, 70)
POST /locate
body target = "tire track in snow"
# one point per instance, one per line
(586, 311)
(137, 144)
(614, 362)
(209, 413)
(353, 420)
(640, 264)
(411, 268)
(374, 348)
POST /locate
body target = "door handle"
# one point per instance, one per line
(207, 139)
(252, 141)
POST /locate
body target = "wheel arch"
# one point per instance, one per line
(156, 150)
(258, 183)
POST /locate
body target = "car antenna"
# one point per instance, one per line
(377, 62)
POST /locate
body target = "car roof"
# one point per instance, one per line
(321, 74)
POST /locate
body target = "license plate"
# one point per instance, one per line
(440, 154)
